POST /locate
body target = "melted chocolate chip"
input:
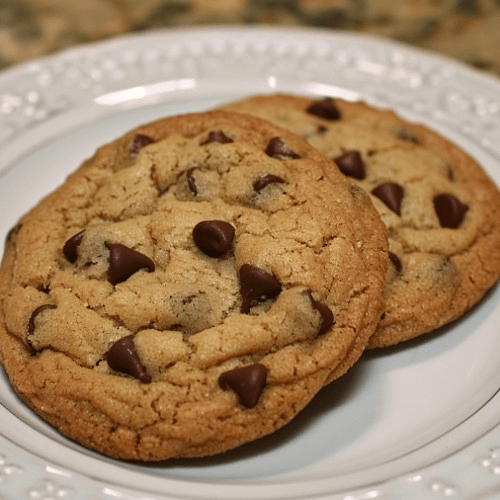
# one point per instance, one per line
(71, 246)
(217, 136)
(30, 347)
(256, 286)
(468, 6)
(35, 313)
(140, 141)
(481, 63)
(325, 312)
(31, 324)
(191, 182)
(391, 194)
(351, 164)
(247, 382)
(277, 149)
(396, 262)
(450, 210)
(324, 108)
(123, 262)
(123, 358)
(408, 136)
(450, 173)
(213, 237)
(43, 288)
(13, 232)
(260, 183)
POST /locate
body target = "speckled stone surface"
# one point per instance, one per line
(464, 29)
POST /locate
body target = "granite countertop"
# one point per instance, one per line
(468, 30)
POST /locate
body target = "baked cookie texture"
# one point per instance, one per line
(441, 210)
(190, 288)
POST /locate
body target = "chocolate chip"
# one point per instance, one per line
(324, 108)
(71, 246)
(450, 210)
(213, 237)
(123, 262)
(325, 312)
(191, 181)
(391, 194)
(31, 323)
(217, 136)
(351, 164)
(277, 149)
(395, 262)
(256, 286)
(247, 382)
(260, 183)
(123, 358)
(140, 141)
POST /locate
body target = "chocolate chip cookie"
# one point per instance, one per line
(190, 288)
(441, 210)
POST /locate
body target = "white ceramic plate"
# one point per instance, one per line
(420, 421)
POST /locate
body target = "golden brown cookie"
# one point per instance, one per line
(441, 210)
(190, 288)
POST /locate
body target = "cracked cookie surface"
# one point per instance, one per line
(441, 210)
(190, 288)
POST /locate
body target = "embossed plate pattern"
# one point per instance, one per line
(419, 421)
